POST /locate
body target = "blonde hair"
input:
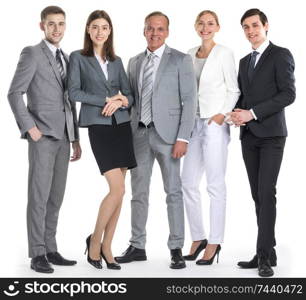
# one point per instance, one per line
(207, 12)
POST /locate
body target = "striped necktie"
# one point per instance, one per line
(147, 90)
(60, 66)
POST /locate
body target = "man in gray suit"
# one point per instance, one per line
(49, 124)
(164, 86)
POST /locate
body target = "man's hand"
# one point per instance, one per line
(35, 134)
(77, 151)
(179, 149)
(219, 119)
(241, 116)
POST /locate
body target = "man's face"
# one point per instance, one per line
(255, 31)
(156, 32)
(54, 27)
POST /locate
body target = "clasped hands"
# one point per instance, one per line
(239, 117)
(114, 103)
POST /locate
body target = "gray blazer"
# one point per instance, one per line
(88, 85)
(174, 95)
(48, 106)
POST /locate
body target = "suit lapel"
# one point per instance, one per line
(163, 63)
(95, 64)
(262, 59)
(139, 61)
(244, 68)
(52, 62)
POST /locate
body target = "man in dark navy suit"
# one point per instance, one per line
(266, 79)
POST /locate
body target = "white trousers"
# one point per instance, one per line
(207, 151)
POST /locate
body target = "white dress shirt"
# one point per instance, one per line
(103, 65)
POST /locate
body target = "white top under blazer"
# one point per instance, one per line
(218, 89)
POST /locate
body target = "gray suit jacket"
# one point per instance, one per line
(48, 106)
(88, 85)
(174, 95)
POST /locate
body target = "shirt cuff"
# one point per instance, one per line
(182, 140)
(253, 114)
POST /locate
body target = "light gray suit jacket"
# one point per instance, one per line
(174, 95)
(88, 85)
(48, 106)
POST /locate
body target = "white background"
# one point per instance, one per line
(86, 188)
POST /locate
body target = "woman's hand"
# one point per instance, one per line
(122, 98)
(111, 107)
(219, 119)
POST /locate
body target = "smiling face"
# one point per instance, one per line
(99, 31)
(255, 31)
(156, 31)
(206, 27)
(54, 27)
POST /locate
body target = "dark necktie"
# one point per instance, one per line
(60, 66)
(252, 65)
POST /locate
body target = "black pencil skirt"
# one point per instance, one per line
(112, 146)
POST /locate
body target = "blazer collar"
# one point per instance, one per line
(52, 61)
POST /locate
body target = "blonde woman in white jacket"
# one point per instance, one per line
(218, 93)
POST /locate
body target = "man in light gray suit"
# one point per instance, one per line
(49, 124)
(164, 86)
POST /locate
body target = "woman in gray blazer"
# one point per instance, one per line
(218, 93)
(97, 79)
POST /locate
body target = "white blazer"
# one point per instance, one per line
(218, 89)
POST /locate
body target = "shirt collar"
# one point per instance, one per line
(51, 47)
(98, 57)
(158, 52)
(262, 47)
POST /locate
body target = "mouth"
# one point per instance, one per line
(56, 35)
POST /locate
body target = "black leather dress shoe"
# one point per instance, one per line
(253, 263)
(195, 254)
(177, 260)
(56, 259)
(264, 268)
(131, 254)
(41, 264)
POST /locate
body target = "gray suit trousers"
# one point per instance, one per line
(48, 165)
(148, 146)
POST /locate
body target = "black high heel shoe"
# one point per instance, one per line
(96, 263)
(205, 262)
(201, 247)
(112, 266)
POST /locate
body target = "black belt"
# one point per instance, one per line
(151, 124)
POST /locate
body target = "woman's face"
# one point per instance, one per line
(206, 27)
(99, 30)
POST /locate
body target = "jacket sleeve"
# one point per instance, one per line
(188, 92)
(23, 76)
(284, 77)
(75, 89)
(125, 88)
